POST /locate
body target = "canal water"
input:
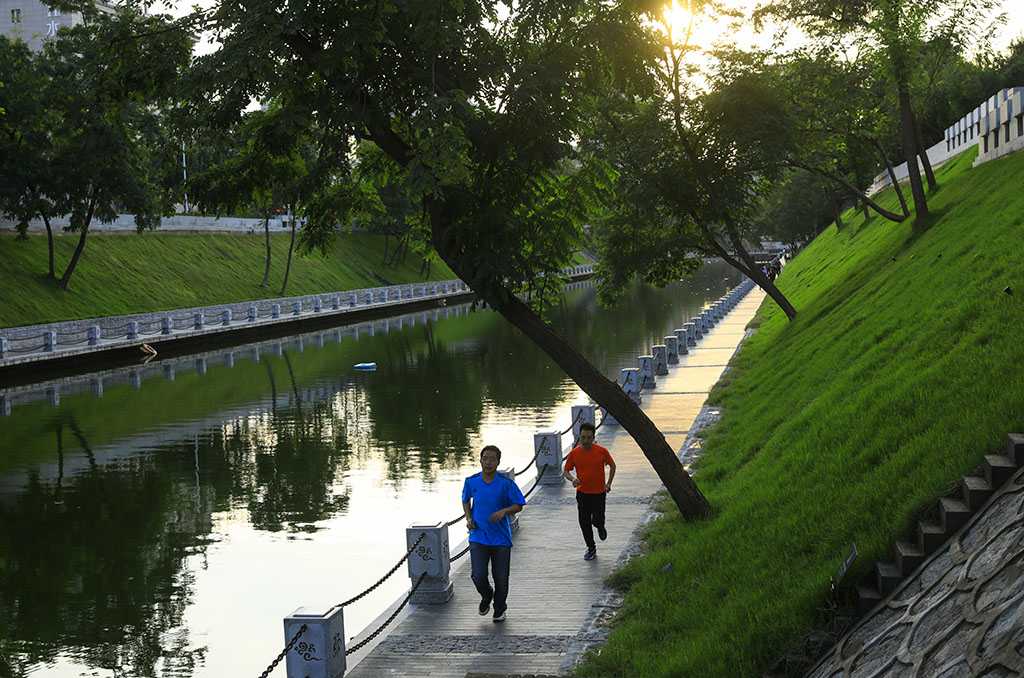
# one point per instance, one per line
(162, 520)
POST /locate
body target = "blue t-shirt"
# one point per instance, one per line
(487, 498)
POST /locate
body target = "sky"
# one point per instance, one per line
(1013, 29)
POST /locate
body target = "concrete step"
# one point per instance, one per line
(976, 491)
(1015, 448)
(908, 558)
(998, 469)
(930, 535)
(887, 576)
(867, 597)
(953, 514)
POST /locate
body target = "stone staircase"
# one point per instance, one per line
(932, 532)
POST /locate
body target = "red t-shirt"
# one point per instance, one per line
(589, 465)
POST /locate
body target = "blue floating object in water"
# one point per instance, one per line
(368, 367)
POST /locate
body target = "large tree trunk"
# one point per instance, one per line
(744, 263)
(64, 279)
(910, 150)
(922, 152)
(288, 266)
(688, 498)
(266, 235)
(892, 175)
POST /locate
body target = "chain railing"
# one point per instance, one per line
(389, 573)
(150, 328)
(358, 646)
(284, 652)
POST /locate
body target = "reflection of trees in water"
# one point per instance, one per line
(284, 466)
(425, 404)
(98, 566)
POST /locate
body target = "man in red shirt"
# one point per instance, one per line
(589, 461)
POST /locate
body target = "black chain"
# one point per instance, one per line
(390, 572)
(579, 415)
(277, 660)
(358, 646)
(27, 350)
(459, 554)
(456, 520)
(536, 482)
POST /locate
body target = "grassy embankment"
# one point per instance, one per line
(900, 371)
(154, 271)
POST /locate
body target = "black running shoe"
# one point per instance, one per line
(602, 533)
(485, 606)
(499, 616)
(590, 554)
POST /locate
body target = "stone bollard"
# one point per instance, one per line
(709, 318)
(548, 447)
(94, 336)
(52, 397)
(672, 350)
(201, 365)
(49, 341)
(369, 298)
(165, 325)
(319, 341)
(297, 308)
(433, 290)
(278, 349)
(660, 360)
(431, 556)
(335, 303)
(683, 337)
(631, 383)
(254, 354)
(226, 319)
(510, 473)
(318, 305)
(697, 333)
(581, 414)
(96, 387)
(229, 359)
(199, 320)
(4, 347)
(251, 315)
(275, 310)
(645, 364)
(351, 300)
(320, 651)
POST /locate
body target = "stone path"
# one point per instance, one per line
(556, 599)
(960, 614)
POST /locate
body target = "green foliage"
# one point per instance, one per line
(157, 271)
(839, 427)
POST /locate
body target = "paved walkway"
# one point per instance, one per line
(555, 595)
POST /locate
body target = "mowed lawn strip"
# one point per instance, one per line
(899, 373)
(132, 273)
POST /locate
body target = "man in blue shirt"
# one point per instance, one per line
(487, 501)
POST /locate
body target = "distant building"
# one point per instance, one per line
(35, 22)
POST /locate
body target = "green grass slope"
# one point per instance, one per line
(154, 271)
(900, 371)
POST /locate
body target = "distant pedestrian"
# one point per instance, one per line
(589, 460)
(488, 500)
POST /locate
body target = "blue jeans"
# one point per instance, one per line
(500, 558)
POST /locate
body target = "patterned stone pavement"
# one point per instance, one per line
(960, 614)
(557, 601)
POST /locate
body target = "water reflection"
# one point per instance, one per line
(165, 522)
